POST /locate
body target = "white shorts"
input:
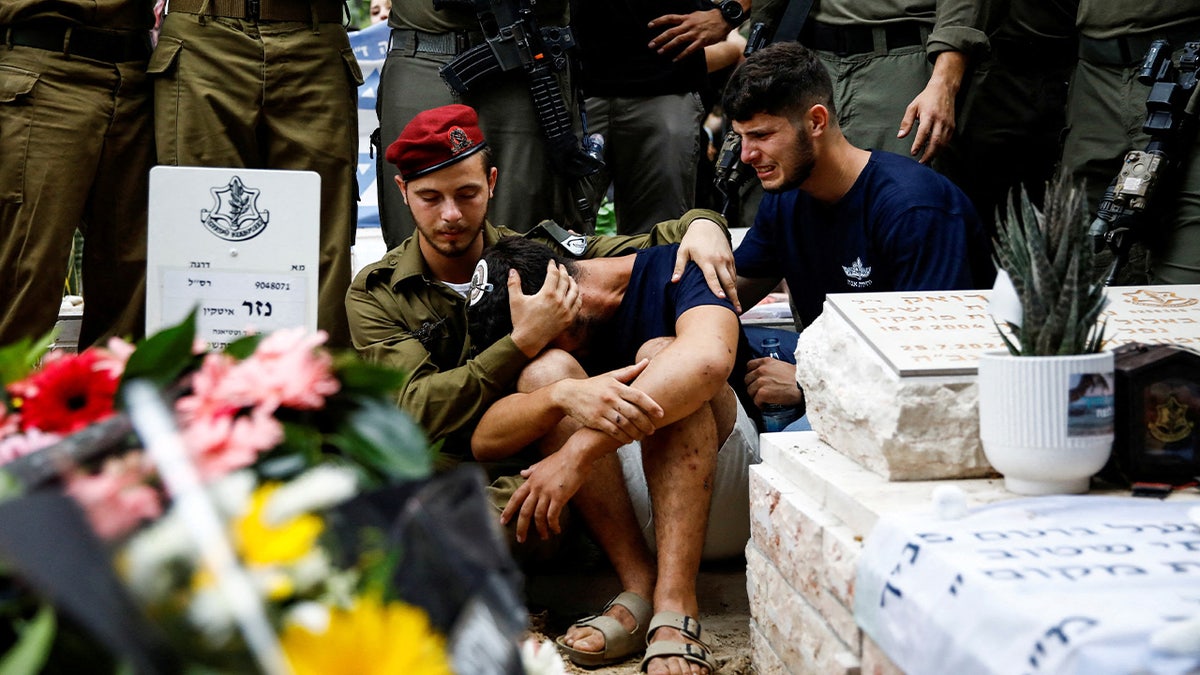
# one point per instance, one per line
(729, 513)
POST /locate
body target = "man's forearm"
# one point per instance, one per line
(948, 70)
(514, 423)
(695, 365)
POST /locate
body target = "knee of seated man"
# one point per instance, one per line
(549, 367)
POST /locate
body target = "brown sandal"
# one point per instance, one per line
(697, 651)
(619, 644)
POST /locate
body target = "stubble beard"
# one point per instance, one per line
(804, 162)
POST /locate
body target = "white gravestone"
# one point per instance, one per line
(889, 378)
(238, 246)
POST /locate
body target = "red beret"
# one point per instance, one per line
(434, 139)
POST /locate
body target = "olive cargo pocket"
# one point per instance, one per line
(16, 122)
(165, 55)
(163, 62)
(352, 66)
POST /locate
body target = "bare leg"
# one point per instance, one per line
(602, 502)
(680, 462)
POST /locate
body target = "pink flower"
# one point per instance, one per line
(208, 399)
(114, 356)
(117, 498)
(9, 422)
(19, 445)
(288, 369)
(223, 443)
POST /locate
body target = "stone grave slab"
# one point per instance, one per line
(890, 377)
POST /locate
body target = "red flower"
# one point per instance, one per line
(67, 394)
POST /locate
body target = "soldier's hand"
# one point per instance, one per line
(539, 318)
(933, 109)
(705, 244)
(687, 33)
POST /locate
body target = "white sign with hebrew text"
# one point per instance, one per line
(237, 246)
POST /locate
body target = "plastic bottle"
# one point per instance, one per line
(776, 416)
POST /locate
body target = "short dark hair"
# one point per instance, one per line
(490, 319)
(784, 79)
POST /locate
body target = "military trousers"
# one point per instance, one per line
(268, 95)
(871, 91)
(528, 190)
(1105, 112)
(76, 147)
(1011, 135)
(651, 151)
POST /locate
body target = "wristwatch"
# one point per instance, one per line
(732, 12)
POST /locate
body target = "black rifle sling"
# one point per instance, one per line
(792, 21)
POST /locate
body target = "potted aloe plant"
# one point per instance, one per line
(1046, 407)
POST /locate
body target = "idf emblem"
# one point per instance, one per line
(1171, 423)
(459, 140)
(235, 215)
(1156, 298)
(858, 275)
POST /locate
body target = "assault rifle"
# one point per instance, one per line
(1124, 214)
(730, 173)
(514, 41)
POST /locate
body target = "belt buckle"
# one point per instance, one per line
(253, 9)
(462, 42)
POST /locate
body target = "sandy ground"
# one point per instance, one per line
(730, 641)
(556, 601)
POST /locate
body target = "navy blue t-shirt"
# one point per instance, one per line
(901, 227)
(651, 306)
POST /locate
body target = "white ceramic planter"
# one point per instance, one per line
(1046, 422)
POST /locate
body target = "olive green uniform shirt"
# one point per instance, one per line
(400, 316)
(420, 15)
(1105, 19)
(110, 14)
(954, 23)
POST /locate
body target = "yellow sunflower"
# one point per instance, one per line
(368, 638)
(261, 543)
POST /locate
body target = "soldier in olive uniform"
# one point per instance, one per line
(423, 40)
(1014, 115)
(897, 67)
(76, 146)
(408, 310)
(1106, 110)
(267, 84)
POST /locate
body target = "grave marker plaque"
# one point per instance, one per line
(942, 333)
(240, 246)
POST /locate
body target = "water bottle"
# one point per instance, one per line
(776, 416)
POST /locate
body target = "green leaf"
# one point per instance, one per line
(362, 377)
(162, 357)
(303, 440)
(243, 346)
(20, 358)
(1049, 259)
(378, 436)
(1012, 348)
(29, 654)
(10, 487)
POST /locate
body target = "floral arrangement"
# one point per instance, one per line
(281, 432)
